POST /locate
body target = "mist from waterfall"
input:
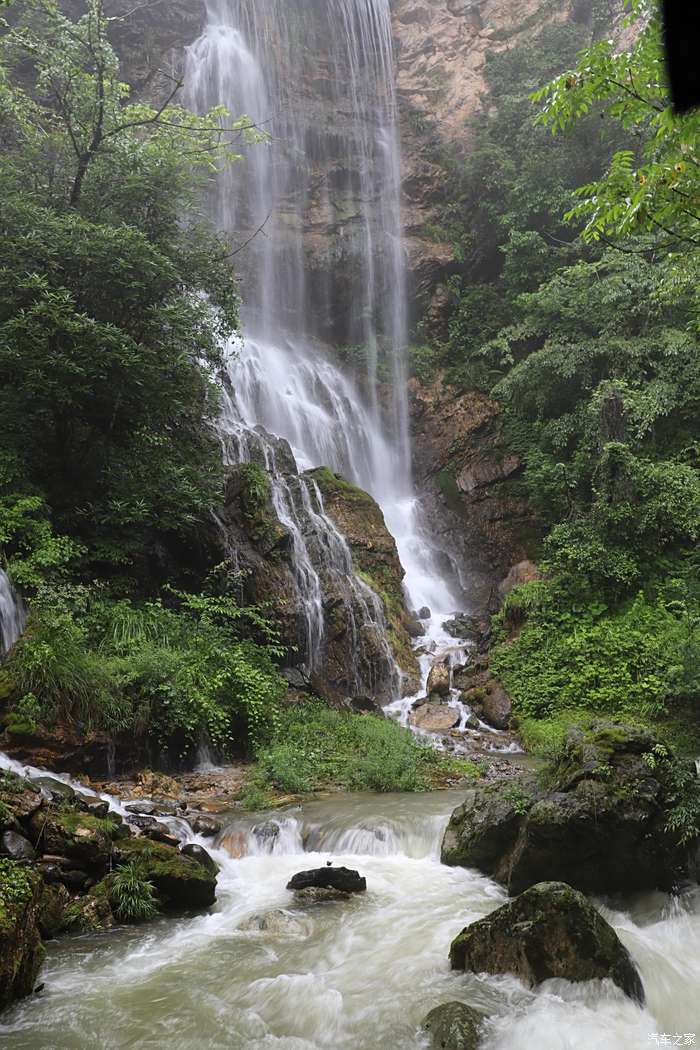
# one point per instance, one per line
(326, 267)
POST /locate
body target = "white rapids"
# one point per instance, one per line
(356, 975)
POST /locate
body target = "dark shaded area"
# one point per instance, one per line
(682, 38)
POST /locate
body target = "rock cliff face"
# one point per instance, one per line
(442, 47)
(461, 457)
(365, 651)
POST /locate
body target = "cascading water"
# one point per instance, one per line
(326, 269)
(12, 614)
(265, 972)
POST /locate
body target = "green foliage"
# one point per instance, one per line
(316, 747)
(637, 660)
(132, 894)
(112, 310)
(16, 887)
(202, 665)
(653, 189)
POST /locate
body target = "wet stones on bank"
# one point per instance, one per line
(69, 865)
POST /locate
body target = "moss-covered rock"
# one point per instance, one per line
(375, 558)
(55, 900)
(611, 816)
(19, 800)
(89, 914)
(484, 829)
(85, 840)
(21, 948)
(180, 881)
(453, 1026)
(551, 930)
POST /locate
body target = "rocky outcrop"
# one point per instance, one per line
(549, 931)
(453, 1026)
(602, 822)
(442, 49)
(375, 560)
(479, 501)
(21, 948)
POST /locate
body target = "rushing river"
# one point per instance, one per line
(357, 974)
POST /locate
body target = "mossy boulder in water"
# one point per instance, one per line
(21, 948)
(551, 930)
(608, 817)
(181, 882)
(453, 1026)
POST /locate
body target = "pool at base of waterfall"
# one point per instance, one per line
(264, 971)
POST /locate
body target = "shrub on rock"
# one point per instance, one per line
(617, 813)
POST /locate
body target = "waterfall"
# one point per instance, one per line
(12, 614)
(325, 272)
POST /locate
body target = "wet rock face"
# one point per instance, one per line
(453, 1026)
(600, 823)
(550, 930)
(461, 458)
(21, 948)
(375, 558)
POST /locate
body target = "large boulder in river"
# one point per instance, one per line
(343, 880)
(453, 1026)
(602, 821)
(435, 718)
(84, 840)
(551, 930)
(21, 949)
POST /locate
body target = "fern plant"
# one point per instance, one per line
(133, 895)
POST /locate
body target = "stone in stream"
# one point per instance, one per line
(204, 825)
(550, 930)
(343, 880)
(439, 679)
(495, 707)
(198, 853)
(453, 1026)
(414, 628)
(16, 847)
(424, 613)
(599, 823)
(278, 923)
(435, 718)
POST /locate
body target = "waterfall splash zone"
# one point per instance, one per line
(327, 271)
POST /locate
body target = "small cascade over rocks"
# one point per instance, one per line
(13, 616)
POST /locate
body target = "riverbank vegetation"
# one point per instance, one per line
(316, 748)
(577, 309)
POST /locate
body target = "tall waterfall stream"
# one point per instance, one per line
(359, 974)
